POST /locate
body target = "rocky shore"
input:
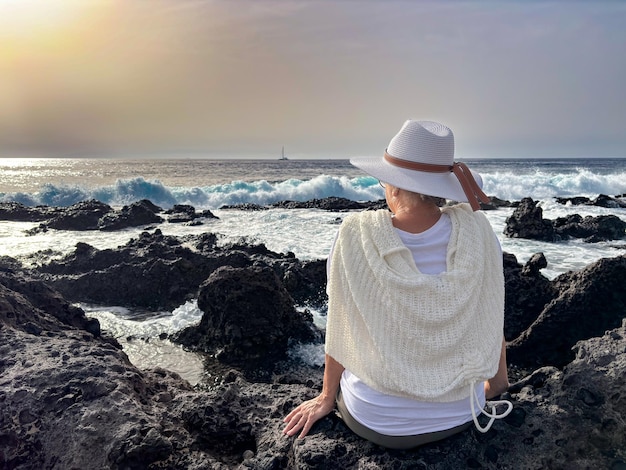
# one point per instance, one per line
(70, 398)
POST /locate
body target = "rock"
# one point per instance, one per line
(85, 406)
(601, 201)
(71, 399)
(184, 213)
(607, 201)
(23, 298)
(248, 318)
(574, 201)
(329, 204)
(248, 206)
(561, 419)
(181, 213)
(87, 215)
(588, 303)
(305, 282)
(81, 216)
(162, 272)
(497, 202)
(536, 263)
(592, 229)
(16, 212)
(526, 292)
(135, 215)
(527, 222)
(153, 271)
(337, 204)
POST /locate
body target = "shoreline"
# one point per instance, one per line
(83, 387)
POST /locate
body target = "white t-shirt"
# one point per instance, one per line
(399, 416)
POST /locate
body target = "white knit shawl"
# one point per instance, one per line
(405, 333)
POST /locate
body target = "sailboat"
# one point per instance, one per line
(283, 155)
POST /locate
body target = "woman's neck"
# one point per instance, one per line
(416, 219)
(411, 212)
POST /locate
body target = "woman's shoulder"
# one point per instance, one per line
(464, 211)
(367, 216)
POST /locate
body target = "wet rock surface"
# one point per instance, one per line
(156, 271)
(17, 212)
(591, 229)
(337, 204)
(96, 215)
(527, 222)
(70, 398)
(184, 213)
(601, 201)
(330, 204)
(249, 319)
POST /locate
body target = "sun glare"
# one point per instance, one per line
(20, 19)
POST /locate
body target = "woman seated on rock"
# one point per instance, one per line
(414, 336)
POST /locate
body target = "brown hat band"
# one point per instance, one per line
(473, 192)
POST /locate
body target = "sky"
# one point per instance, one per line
(324, 79)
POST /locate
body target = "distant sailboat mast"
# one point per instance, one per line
(283, 154)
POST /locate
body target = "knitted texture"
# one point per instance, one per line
(405, 333)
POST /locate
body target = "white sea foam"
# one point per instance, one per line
(311, 354)
(545, 186)
(140, 334)
(505, 184)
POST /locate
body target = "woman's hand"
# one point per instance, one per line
(307, 414)
(311, 411)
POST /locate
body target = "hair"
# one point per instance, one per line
(414, 198)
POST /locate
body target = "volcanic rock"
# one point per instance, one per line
(71, 399)
(136, 214)
(155, 271)
(31, 304)
(17, 212)
(336, 204)
(527, 222)
(86, 215)
(81, 216)
(601, 201)
(588, 303)
(248, 318)
(526, 293)
(184, 213)
(592, 229)
(495, 203)
(561, 419)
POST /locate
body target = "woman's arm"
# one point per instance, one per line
(500, 382)
(305, 415)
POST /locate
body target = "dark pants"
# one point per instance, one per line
(393, 442)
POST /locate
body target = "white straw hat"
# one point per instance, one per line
(420, 158)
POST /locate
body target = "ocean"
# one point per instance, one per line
(212, 184)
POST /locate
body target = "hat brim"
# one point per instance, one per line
(445, 185)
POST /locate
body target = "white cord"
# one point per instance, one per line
(494, 410)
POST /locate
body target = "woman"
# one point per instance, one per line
(414, 336)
